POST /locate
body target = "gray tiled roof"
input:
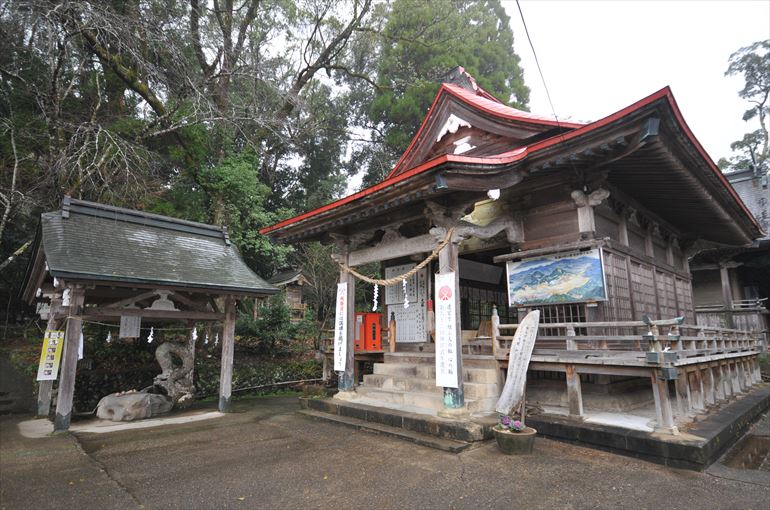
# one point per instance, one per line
(98, 242)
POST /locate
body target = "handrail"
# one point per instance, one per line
(706, 337)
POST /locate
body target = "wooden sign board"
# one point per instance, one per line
(411, 322)
(518, 362)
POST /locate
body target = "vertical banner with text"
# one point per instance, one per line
(341, 328)
(446, 334)
(50, 357)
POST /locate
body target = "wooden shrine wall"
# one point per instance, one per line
(640, 279)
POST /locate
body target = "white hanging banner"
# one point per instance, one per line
(80, 345)
(341, 328)
(446, 334)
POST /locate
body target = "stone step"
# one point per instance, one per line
(423, 371)
(392, 382)
(447, 445)
(428, 358)
(481, 405)
(476, 429)
(400, 369)
(431, 402)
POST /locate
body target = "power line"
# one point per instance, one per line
(537, 62)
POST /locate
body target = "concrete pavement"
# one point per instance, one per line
(265, 455)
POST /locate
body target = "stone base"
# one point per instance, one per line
(452, 413)
(695, 448)
(346, 396)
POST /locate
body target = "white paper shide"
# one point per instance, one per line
(341, 328)
(446, 334)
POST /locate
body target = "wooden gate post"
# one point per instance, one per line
(226, 363)
(69, 359)
(448, 261)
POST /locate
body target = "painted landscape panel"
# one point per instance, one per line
(555, 279)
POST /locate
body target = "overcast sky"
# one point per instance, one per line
(600, 56)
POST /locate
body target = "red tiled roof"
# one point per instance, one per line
(520, 153)
(498, 109)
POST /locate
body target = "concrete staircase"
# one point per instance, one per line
(407, 381)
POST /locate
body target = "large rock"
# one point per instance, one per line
(132, 405)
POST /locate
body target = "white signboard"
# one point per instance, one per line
(446, 332)
(410, 321)
(341, 328)
(518, 361)
(395, 293)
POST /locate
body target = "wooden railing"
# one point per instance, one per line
(584, 335)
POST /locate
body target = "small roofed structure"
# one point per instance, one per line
(291, 282)
(102, 263)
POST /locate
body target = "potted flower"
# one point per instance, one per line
(513, 436)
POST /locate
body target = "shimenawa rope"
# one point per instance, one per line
(397, 279)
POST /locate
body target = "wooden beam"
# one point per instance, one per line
(131, 300)
(578, 245)
(228, 347)
(93, 313)
(393, 249)
(69, 360)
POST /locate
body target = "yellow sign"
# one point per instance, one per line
(51, 356)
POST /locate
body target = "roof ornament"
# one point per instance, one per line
(452, 124)
(163, 302)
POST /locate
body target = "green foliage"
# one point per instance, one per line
(753, 63)
(421, 42)
(271, 332)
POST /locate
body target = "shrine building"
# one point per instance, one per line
(592, 224)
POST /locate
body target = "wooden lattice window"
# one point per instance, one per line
(476, 306)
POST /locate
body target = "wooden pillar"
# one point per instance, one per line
(708, 383)
(719, 384)
(727, 379)
(734, 377)
(347, 379)
(45, 388)
(747, 372)
(574, 391)
(228, 347)
(69, 359)
(727, 296)
(448, 261)
(663, 410)
(683, 401)
(696, 392)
